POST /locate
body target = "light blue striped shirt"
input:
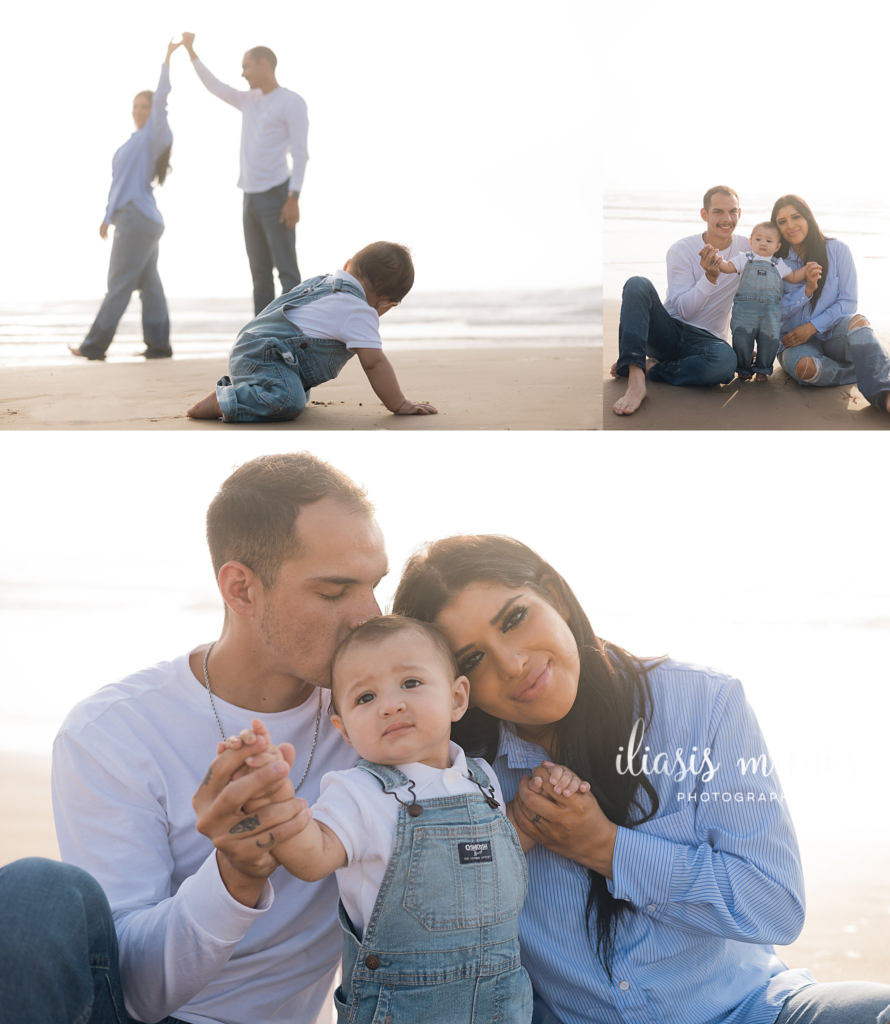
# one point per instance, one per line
(839, 298)
(714, 878)
(133, 165)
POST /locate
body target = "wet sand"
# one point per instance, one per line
(776, 404)
(846, 937)
(490, 389)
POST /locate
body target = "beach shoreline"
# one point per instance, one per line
(776, 404)
(487, 389)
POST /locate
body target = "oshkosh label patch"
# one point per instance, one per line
(761, 273)
(474, 853)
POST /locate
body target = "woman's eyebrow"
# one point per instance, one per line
(503, 611)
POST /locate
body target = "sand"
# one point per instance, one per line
(776, 404)
(504, 389)
(846, 937)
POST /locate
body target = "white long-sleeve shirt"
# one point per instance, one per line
(126, 764)
(133, 165)
(273, 124)
(690, 296)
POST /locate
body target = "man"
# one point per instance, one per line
(273, 122)
(202, 934)
(689, 333)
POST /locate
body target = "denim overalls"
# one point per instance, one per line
(756, 315)
(446, 914)
(273, 364)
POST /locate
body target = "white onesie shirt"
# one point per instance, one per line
(740, 260)
(339, 317)
(354, 807)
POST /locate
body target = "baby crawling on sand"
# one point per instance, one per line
(306, 336)
(431, 870)
(757, 307)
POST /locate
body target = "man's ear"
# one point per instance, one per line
(704, 214)
(461, 692)
(340, 726)
(240, 588)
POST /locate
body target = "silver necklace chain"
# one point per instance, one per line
(222, 731)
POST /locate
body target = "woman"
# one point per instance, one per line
(138, 226)
(657, 896)
(825, 341)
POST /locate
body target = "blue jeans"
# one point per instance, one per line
(840, 1002)
(687, 355)
(269, 245)
(847, 357)
(134, 264)
(58, 947)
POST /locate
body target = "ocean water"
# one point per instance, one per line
(638, 228)
(38, 333)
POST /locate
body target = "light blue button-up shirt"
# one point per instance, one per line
(714, 879)
(133, 165)
(839, 298)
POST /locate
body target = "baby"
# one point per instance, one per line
(430, 869)
(306, 336)
(757, 307)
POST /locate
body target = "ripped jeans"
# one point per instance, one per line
(845, 357)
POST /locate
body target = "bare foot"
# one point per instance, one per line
(75, 351)
(743, 376)
(887, 400)
(632, 399)
(614, 370)
(207, 409)
(760, 376)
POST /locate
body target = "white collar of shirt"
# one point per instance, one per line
(344, 276)
(423, 776)
(732, 242)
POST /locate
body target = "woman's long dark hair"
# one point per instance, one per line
(613, 691)
(813, 248)
(162, 164)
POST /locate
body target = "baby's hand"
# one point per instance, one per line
(410, 408)
(563, 780)
(266, 753)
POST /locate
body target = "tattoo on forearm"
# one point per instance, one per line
(265, 846)
(246, 824)
(207, 777)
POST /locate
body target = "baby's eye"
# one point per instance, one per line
(411, 684)
(365, 698)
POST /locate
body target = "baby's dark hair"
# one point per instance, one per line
(768, 224)
(387, 267)
(375, 631)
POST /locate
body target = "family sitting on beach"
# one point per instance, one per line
(480, 880)
(788, 290)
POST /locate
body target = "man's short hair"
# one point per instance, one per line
(387, 267)
(254, 517)
(264, 53)
(375, 631)
(767, 225)
(709, 195)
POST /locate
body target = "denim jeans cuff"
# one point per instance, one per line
(228, 403)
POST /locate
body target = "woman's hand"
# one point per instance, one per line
(813, 273)
(573, 826)
(103, 230)
(799, 335)
(171, 46)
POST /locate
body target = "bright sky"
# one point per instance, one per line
(464, 130)
(786, 97)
